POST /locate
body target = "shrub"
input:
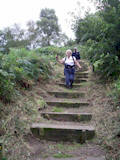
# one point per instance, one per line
(7, 87)
(21, 67)
(108, 66)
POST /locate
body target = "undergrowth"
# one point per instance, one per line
(15, 122)
(106, 117)
(22, 68)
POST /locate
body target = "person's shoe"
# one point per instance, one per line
(67, 86)
(71, 86)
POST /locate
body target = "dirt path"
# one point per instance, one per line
(51, 150)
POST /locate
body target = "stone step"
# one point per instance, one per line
(84, 109)
(74, 85)
(76, 80)
(69, 95)
(77, 117)
(63, 132)
(66, 103)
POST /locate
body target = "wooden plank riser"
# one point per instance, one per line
(81, 76)
(64, 117)
(68, 105)
(53, 134)
(67, 95)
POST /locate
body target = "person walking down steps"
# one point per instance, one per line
(69, 67)
(76, 54)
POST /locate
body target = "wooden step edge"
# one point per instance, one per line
(64, 126)
(66, 92)
(66, 113)
(59, 132)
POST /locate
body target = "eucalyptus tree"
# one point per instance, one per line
(32, 35)
(48, 28)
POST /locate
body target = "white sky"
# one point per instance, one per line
(21, 11)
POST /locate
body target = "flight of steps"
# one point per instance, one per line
(66, 121)
(67, 125)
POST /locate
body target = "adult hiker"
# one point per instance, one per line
(76, 54)
(69, 67)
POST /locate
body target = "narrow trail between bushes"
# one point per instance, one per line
(69, 126)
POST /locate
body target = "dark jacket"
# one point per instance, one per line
(76, 55)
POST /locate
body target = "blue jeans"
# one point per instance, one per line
(69, 76)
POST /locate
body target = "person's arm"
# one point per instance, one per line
(77, 63)
(61, 61)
